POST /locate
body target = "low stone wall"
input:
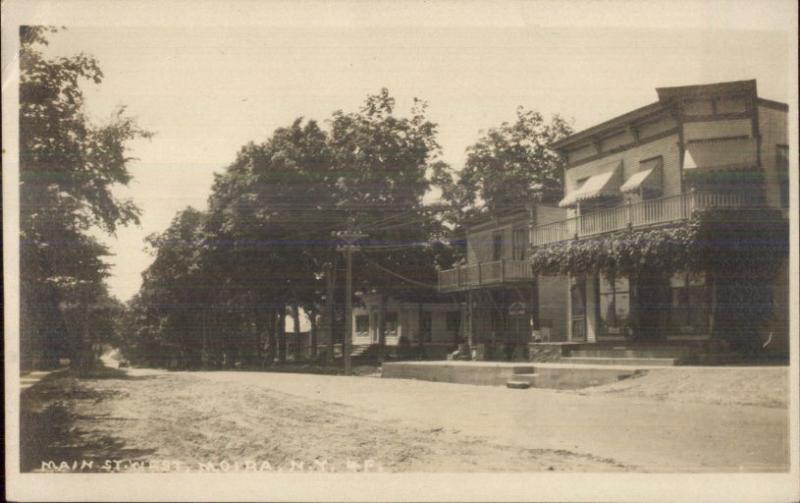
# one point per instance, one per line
(480, 373)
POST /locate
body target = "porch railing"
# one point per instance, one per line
(644, 213)
(484, 274)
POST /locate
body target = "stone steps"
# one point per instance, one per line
(522, 380)
(518, 384)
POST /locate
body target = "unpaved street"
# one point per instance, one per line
(257, 420)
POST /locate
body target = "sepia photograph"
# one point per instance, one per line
(411, 251)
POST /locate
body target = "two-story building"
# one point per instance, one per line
(506, 305)
(696, 150)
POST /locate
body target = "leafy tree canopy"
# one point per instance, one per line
(512, 164)
(68, 168)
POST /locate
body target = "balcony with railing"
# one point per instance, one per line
(641, 214)
(484, 274)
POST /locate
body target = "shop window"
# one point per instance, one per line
(362, 325)
(519, 242)
(689, 308)
(615, 305)
(390, 324)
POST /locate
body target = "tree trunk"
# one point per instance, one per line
(85, 354)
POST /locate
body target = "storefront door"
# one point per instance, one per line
(652, 307)
(578, 309)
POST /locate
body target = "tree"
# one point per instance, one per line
(384, 163)
(513, 164)
(68, 168)
(174, 293)
(265, 241)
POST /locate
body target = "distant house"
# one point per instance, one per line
(697, 148)
(429, 328)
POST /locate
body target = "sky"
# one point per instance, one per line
(205, 91)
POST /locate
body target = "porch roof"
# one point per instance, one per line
(600, 185)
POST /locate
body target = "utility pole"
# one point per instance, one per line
(329, 314)
(349, 237)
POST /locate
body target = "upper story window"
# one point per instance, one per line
(497, 246)
(645, 183)
(598, 190)
(519, 242)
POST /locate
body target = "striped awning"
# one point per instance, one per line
(604, 184)
(648, 178)
(723, 153)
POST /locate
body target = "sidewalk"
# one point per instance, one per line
(31, 378)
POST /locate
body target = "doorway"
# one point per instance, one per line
(577, 293)
(652, 304)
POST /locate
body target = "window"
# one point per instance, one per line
(615, 305)
(782, 166)
(689, 307)
(651, 186)
(497, 246)
(519, 242)
(390, 324)
(362, 324)
(426, 326)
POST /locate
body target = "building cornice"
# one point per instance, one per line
(621, 148)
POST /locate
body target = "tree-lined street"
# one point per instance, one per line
(225, 420)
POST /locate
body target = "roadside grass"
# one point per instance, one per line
(49, 417)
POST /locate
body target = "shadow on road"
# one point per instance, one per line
(51, 423)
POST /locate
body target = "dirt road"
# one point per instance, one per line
(649, 434)
(152, 420)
